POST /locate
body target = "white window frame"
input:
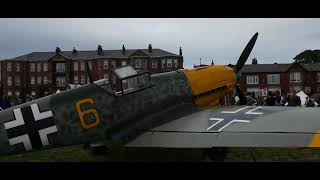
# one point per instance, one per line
(32, 80)
(45, 80)
(17, 93)
(60, 81)
(17, 67)
(154, 63)
(175, 62)
(90, 65)
(105, 76)
(105, 64)
(123, 63)
(17, 80)
(169, 63)
(59, 67)
(45, 67)
(9, 80)
(113, 64)
(82, 66)
(39, 67)
(9, 66)
(83, 79)
(295, 76)
(253, 79)
(163, 63)
(39, 80)
(9, 93)
(75, 79)
(32, 67)
(75, 66)
(273, 78)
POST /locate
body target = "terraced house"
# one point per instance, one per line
(292, 77)
(43, 73)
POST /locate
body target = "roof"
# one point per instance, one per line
(43, 56)
(257, 68)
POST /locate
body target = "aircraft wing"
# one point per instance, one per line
(237, 126)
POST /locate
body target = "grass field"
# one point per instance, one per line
(117, 153)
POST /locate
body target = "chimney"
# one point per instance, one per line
(58, 50)
(150, 48)
(123, 49)
(99, 50)
(180, 51)
(254, 61)
(74, 51)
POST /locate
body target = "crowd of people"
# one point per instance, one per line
(272, 99)
(6, 102)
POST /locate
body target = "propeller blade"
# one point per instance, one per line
(246, 52)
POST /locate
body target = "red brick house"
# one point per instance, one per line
(42, 73)
(294, 77)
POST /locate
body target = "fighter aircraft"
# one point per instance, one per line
(174, 110)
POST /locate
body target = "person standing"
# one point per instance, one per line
(4, 103)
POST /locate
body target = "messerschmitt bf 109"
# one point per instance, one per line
(173, 110)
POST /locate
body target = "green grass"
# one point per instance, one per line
(118, 153)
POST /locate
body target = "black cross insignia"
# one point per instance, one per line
(28, 130)
(226, 118)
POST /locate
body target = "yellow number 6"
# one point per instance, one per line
(85, 112)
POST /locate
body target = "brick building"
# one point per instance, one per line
(43, 73)
(294, 77)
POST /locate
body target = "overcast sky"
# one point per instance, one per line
(219, 39)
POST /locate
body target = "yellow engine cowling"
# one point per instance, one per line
(210, 83)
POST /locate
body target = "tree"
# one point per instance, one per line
(308, 56)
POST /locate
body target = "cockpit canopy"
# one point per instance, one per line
(128, 80)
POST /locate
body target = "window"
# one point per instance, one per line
(169, 62)
(9, 93)
(75, 79)
(163, 63)
(175, 62)
(39, 80)
(17, 67)
(60, 67)
(39, 67)
(105, 64)
(33, 93)
(45, 79)
(295, 77)
(83, 79)
(318, 76)
(9, 66)
(75, 66)
(45, 67)
(60, 81)
(113, 64)
(83, 67)
(17, 94)
(17, 80)
(90, 65)
(105, 76)
(33, 80)
(154, 63)
(252, 79)
(32, 67)
(273, 78)
(9, 81)
(123, 63)
(139, 63)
